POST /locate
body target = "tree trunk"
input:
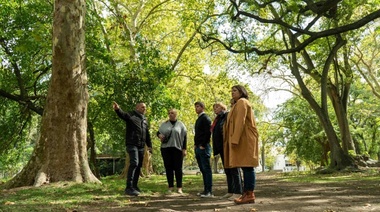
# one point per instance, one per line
(341, 114)
(263, 157)
(61, 151)
(126, 167)
(91, 146)
(147, 167)
(338, 158)
(325, 155)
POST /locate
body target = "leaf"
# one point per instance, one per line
(9, 203)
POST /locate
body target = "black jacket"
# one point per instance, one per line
(202, 130)
(217, 133)
(137, 130)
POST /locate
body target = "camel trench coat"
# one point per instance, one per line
(241, 146)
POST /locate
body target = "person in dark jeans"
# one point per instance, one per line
(234, 182)
(137, 136)
(202, 148)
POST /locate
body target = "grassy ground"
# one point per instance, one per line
(274, 192)
(72, 197)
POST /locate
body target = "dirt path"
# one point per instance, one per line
(272, 194)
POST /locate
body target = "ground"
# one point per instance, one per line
(272, 194)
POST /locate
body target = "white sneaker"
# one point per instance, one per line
(226, 196)
(234, 196)
(207, 195)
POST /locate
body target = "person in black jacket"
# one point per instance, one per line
(234, 184)
(137, 136)
(202, 147)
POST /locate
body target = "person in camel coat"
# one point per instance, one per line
(241, 148)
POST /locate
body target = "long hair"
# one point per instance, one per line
(242, 91)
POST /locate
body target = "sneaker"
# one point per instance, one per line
(234, 196)
(180, 191)
(206, 195)
(201, 193)
(137, 189)
(131, 192)
(226, 196)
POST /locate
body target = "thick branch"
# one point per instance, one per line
(313, 36)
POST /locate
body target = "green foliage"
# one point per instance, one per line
(301, 132)
(25, 52)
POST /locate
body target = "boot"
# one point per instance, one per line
(241, 197)
(247, 197)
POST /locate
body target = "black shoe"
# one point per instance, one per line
(207, 195)
(137, 189)
(131, 192)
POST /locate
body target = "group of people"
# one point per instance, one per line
(234, 137)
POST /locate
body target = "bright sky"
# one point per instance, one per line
(268, 89)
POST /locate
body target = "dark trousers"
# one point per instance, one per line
(249, 178)
(203, 159)
(233, 176)
(173, 160)
(136, 157)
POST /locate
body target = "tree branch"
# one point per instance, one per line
(313, 35)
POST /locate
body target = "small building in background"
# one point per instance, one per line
(282, 163)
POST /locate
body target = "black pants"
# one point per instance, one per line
(136, 158)
(234, 182)
(173, 160)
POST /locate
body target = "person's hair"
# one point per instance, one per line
(223, 106)
(201, 104)
(138, 104)
(173, 109)
(242, 90)
(232, 101)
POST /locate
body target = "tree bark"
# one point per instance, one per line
(61, 151)
(91, 146)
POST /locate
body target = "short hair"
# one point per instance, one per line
(174, 110)
(201, 104)
(223, 106)
(242, 91)
(139, 103)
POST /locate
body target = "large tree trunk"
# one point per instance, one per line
(339, 103)
(60, 153)
(339, 159)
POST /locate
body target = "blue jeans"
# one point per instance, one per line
(136, 157)
(249, 178)
(203, 159)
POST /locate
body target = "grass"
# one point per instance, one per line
(64, 196)
(336, 177)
